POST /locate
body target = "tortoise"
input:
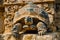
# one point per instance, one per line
(31, 17)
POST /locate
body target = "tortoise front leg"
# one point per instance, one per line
(41, 28)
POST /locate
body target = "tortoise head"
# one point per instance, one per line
(28, 20)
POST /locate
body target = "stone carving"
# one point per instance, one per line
(42, 29)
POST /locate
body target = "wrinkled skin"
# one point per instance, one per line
(16, 29)
(14, 35)
(41, 28)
